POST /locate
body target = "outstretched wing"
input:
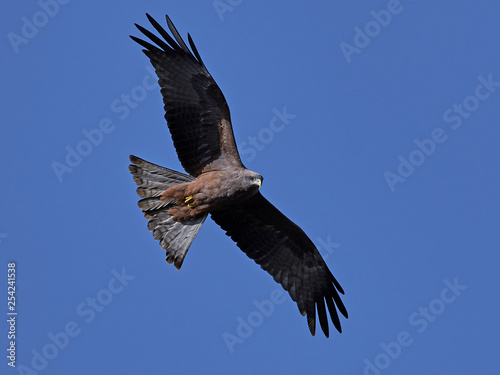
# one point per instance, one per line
(282, 249)
(195, 108)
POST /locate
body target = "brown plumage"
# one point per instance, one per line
(218, 184)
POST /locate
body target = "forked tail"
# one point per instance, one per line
(175, 237)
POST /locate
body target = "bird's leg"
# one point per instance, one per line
(188, 201)
(176, 192)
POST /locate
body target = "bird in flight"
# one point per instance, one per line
(176, 204)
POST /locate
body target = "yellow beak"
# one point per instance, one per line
(257, 182)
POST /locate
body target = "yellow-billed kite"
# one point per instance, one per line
(218, 184)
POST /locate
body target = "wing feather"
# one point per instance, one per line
(196, 111)
(282, 249)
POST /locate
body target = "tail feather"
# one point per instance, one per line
(175, 237)
(145, 192)
(150, 206)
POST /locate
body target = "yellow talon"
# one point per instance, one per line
(188, 200)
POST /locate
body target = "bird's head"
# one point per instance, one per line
(242, 184)
(254, 179)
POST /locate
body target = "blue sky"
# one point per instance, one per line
(388, 159)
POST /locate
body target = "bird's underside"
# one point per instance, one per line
(211, 191)
(176, 204)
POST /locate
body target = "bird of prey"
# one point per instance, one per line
(177, 204)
